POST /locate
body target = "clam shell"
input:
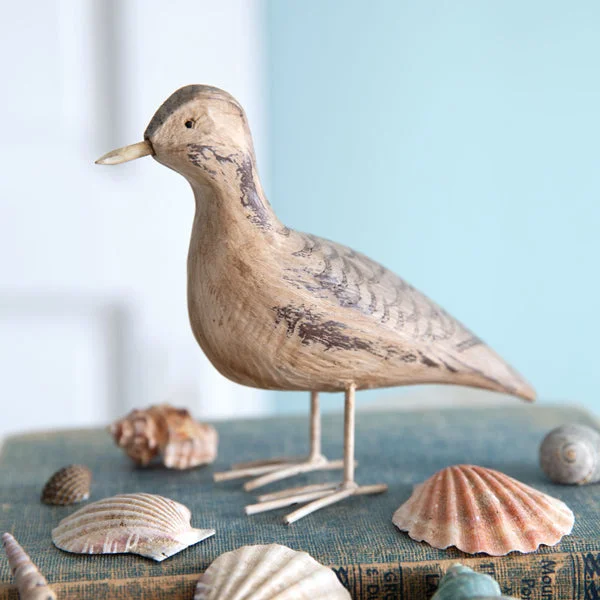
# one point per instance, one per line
(29, 581)
(171, 432)
(68, 485)
(268, 572)
(570, 454)
(144, 524)
(482, 510)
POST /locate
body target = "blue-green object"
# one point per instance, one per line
(457, 144)
(462, 583)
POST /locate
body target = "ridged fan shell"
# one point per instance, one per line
(482, 510)
(68, 485)
(144, 524)
(268, 572)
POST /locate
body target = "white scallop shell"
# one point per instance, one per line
(144, 524)
(268, 572)
(482, 510)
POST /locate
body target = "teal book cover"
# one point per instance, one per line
(356, 538)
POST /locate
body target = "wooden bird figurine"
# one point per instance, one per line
(278, 309)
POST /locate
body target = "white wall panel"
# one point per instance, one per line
(62, 360)
(81, 77)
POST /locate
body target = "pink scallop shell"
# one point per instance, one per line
(482, 510)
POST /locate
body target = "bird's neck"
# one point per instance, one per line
(229, 195)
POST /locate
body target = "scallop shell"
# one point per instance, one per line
(29, 581)
(68, 485)
(482, 510)
(171, 432)
(144, 524)
(267, 572)
(569, 454)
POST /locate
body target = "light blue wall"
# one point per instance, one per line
(459, 144)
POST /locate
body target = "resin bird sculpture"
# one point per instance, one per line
(278, 309)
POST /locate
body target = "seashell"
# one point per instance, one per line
(172, 432)
(144, 524)
(462, 583)
(29, 581)
(569, 454)
(482, 510)
(68, 485)
(268, 572)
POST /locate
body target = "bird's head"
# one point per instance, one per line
(195, 126)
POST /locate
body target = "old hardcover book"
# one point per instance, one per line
(356, 538)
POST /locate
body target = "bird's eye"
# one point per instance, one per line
(189, 124)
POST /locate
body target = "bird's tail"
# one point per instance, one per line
(481, 367)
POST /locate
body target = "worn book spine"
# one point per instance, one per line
(561, 576)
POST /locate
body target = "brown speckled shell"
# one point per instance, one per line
(171, 432)
(68, 485)
(482, 510)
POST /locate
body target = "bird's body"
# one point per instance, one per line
(279, 309)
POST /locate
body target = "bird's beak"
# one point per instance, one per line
(127, 153)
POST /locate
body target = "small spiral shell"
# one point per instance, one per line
(570, 454)
(168, 431)
(29, 581)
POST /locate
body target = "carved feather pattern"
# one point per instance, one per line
(352, 280)
(340, 278)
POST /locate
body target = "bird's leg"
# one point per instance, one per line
(321, 495)
(268, 471)
(315, 428)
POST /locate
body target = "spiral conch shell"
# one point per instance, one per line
(482, 510)
(570, 454)
(68, 485)
(266, 573)
(171, 432)
(29, 581)
(462, 583)
(144, 524)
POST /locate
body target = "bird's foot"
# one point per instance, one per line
(315, 496)
(268, 471)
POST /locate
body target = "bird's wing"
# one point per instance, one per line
(331, 274)
(338, 274)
